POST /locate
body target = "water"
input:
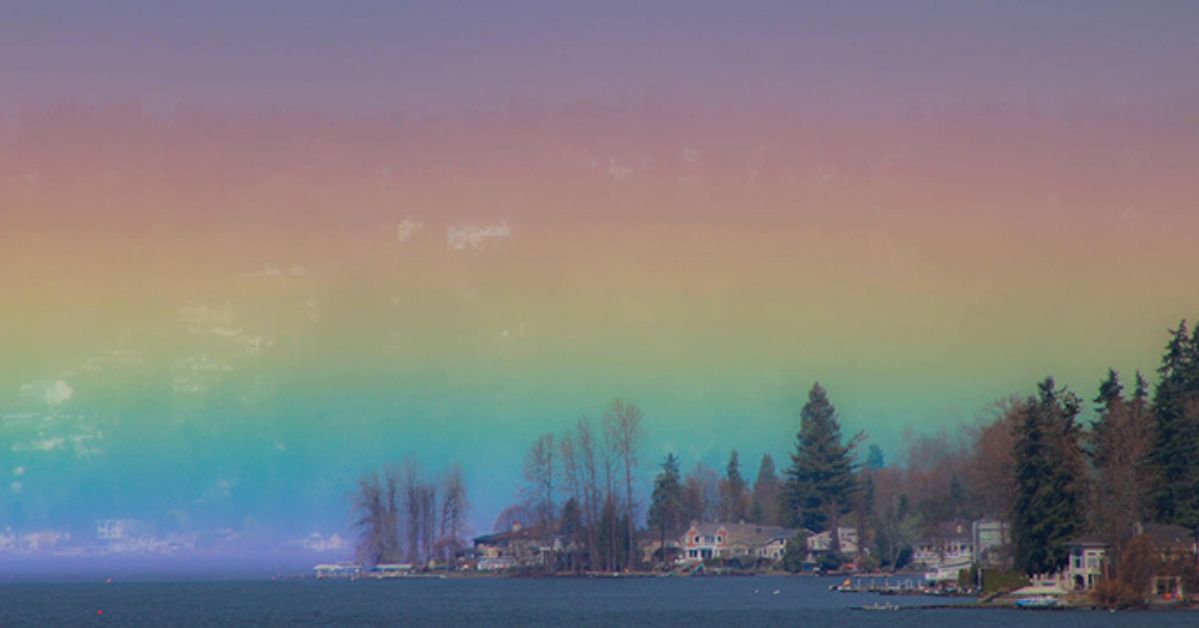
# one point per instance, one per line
(511, 602)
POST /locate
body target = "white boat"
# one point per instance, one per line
(1038, 601)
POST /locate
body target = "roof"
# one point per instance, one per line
(1165, 535)
(750, 533)
(956, 530)
(507, 536)
(1087, 540)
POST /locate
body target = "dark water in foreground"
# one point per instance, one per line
(510, 602)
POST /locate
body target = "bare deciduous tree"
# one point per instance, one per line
(454, 509)
(585, 450)
(622, 425)
(538, 492)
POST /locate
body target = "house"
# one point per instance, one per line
(1174, 545)
(338, 570)
(1178, 550)
(650, 544)
(947, 551)
(703, 541)
(822, 542)
(520, 546)
(990, 538)
(948, 542)
(1085, 567)
(773, 547)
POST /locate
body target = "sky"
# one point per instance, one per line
(251, 252)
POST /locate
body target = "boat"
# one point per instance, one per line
(1037, 601)
(879, 607)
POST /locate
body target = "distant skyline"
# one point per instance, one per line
(249, 253)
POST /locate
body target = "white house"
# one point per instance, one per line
(822, 542)
(949, 542)
(1085, 568)
(703, 541)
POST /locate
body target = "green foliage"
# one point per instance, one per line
(999, 580)
(1110, 390)
(894, 532)
(820, 482)
(831, 561)
(874, 458)
(1050, 480)
(1175, 452)
(766, 494)
(734, 492)
(794, 551)
(666, 503)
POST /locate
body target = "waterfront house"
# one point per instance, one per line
(1085, 567)
(519, 546)
(344, 569)
(948, 542)
(704, 541)
(1177, 552)
(991, 539)
(1174, 546)
(822, 542)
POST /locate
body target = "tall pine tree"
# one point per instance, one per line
(1175, 453)
(767, 493)
(666, 504)
(1049, 507)
(734, 493)
(1121, 437)
(820, 483)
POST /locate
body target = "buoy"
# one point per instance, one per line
(100, 611)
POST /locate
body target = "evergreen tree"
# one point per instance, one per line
(1121, 438)
(666, 503)
(794, 550)
(874, 458)
(820, 482)
(1141, 392)
(734, 494)
(767, 493)
(1175, 453)
(1050, 480)
(1110, 390)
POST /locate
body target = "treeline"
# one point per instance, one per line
(406, 516)
(594, 475)
(819, 490)
(1031, 462)
(1036, 465)
(580, 487)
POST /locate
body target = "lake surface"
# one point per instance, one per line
(748, 601)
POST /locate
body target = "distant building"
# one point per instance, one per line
(991, 539)
(1174, 545)
(520, 546)
(946, 552)
(391, 570)
(344, 569)
(949, 542)
(822, 542)
(703, 541)
(1085, 568)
